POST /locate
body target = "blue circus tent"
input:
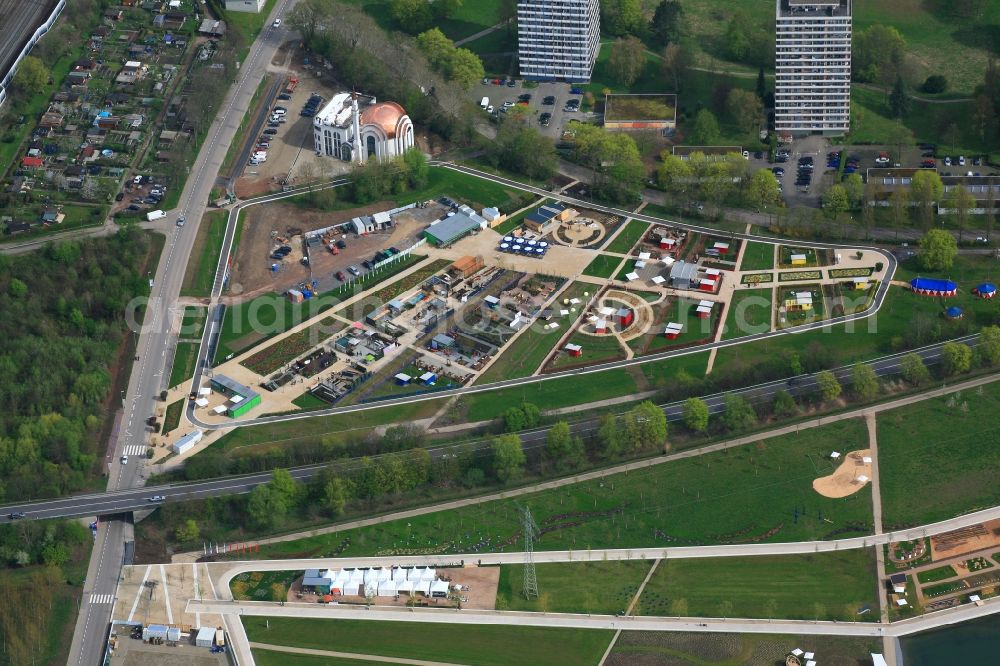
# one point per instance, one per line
(932, 287)
(954, 312)
(985, 290)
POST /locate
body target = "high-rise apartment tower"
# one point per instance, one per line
(812, 82)
(558, 40)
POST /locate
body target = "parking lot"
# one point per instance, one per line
(560, 92)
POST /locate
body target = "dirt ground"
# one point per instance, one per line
(843, 481)
(252, 275)
(136, 653)
(967, 540)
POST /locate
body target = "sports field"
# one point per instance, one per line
(450, 643)
(938, 458)
(819, 586)
(680, 503)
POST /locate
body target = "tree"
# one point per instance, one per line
(926, 189)
(934, 84)
(334, 496)
(608, 436)
(829, 387)
(412, 15)
(763, 189)
(761, 89)
(284, 485)
(187, 531)
(960, 202)
(914, 370)
(696, 414)
(437, 47)
(562, 449)
(32, 75)
(621, 17)
(465, 68)
(956, 358)
(522, 149)
(898, 205)
(705, 131)
(667, 24)
(989, 345)
(877, 54)
(938, 250)
(836, 201)
(628, 57)
(746, 108)
(508, 458)
(784, 404)
(417, 168)
(619, 172)
(645, 427)
(676, 61)
(265, 508)
(854, 186)
(899, 101)
(305, 16)
(739, 414)
(674, 174)
(864, 382)
(445, 9)
(736, 41)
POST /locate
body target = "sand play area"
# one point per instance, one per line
(851, 476)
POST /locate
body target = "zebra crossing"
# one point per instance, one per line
(135, 450)
(102, 598)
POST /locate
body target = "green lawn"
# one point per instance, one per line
(717, 649)
(820, 586)
(482, 645)
(259, 585)
(603, 266)
(785, 253)
(184, 362)
(938, 459)
(933, 575)
(661, 374)
(200, 273)
(749, 313)
(308, 401)
(583, 587)
(273, 658)
(172, 419)
(757, 257)
(596, 349)
(562, 392)
(628, 237)
(193, 323)
(681, 311)
(681, 503)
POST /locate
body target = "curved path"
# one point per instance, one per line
(206, 351)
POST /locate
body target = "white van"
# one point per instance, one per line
(278, 112)
(154, 215)
(484, 103)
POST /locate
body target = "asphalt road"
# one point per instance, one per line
(128, 498)
(147, 378)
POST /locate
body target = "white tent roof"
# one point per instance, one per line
(205, 391)
(399, 575)
(713, 271)
(405, 586)
(439, 586)
(386, 588)
(422, 586)
(658, 279)
(835, 455)
(866, 460)
(669, 260)
(797, 652)
(606, 311)
(640, 264)
(862, 479)
(674, 327)
(221, 409)
(644, 255)
(201, 402)
(350, 588)
(878, 660)
(631, 276)
(704, 303)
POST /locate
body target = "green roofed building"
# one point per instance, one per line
(241, 398)
(454, 226)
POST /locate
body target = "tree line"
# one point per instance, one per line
(63, 328)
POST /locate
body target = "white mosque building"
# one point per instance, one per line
(356, 128)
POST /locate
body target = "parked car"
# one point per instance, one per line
(340, 276)
(545, 119)
(134, 207)
(367, 264)
(342, 244)
(271, 132)
(961, 160)
(549, 100)
(284, 96)
(124, 460)
(119, 196)
(354, 270)
(511, 83)
(576, 90)
(947, 161)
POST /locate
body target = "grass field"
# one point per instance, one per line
(308, 401)
(635, 648)
(820, 586)
(659, 374)
(681, 503)
(562, 392)
(628, 237)
(200, 273)
(526, 353)
(934, 575)
(193, 323)
(273, 658)
(596, 349)
(260, 585)
(938, 459)
(749, 313)
(514, 221)
(172, 419)
(757, 257)
(681, 311)
(184, 362)
(584, 587)
(482, 645)
(603, 266)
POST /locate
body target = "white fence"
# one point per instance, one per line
(42, 29)
(403, 253)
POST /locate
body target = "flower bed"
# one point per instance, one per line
(850, 272)
(799, 276)
(757, 278)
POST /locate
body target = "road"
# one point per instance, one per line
(585, 621)
(147, 378)
(124, 499)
